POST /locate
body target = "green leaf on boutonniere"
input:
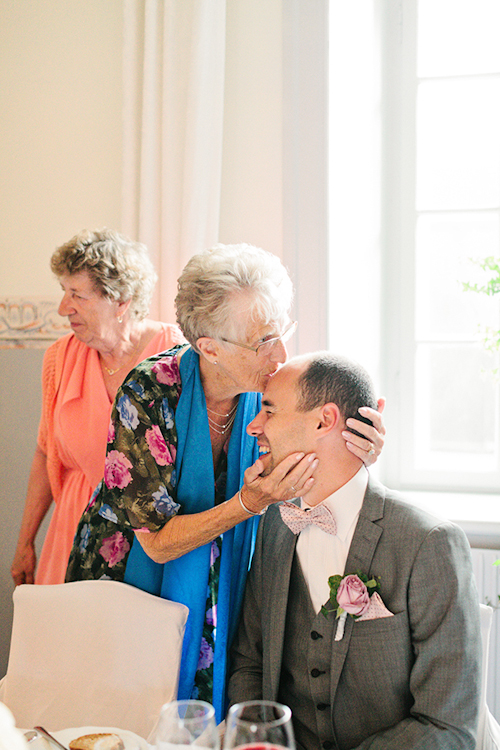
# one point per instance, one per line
(370, 583)
(334, 583)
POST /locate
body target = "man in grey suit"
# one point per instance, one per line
(405, 671)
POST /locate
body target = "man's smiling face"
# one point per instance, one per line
(280, 429)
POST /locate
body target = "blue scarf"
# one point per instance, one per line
(185, 580)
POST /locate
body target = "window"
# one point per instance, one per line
(415, 191)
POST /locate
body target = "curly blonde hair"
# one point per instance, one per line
(120, 268)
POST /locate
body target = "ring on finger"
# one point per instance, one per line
(293, 489)
(371, 452)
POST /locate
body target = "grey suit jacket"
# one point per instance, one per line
(408, 681)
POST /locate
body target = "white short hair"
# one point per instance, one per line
(219, 284)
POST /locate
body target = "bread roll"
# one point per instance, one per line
(102, 741)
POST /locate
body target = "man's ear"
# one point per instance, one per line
(209, 348)
(329, 418)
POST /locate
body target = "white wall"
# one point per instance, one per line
(60, 131)
(251, 199)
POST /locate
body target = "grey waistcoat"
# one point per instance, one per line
(305, 670)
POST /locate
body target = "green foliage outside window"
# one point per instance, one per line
(491, 265)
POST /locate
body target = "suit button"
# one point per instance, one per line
(316, 672)
(327, 745)
(322, 706)
(315, 635)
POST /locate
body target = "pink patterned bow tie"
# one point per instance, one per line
(297, 519)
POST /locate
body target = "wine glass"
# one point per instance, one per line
(187, 722)
(259, 725)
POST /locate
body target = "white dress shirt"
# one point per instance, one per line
(322, 555)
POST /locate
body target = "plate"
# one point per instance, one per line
(130, 740)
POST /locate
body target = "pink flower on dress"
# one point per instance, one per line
(111, 432)
(166, 371)
(212, 616)
(116, 470)
(158, 447)
(214, 552)
(114, 548)
(353, 596)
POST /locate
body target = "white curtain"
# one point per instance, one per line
(174, 58)
(305, 166)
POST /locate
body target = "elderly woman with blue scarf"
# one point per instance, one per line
(177, 511)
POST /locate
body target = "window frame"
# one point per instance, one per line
(399, 212)
(306, 40)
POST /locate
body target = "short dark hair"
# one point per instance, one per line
(330, 378)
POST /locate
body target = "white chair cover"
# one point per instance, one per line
(10, 737)
(92, 653)
(488, 736)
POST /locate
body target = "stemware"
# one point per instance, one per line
(187, 722)
(259, 725)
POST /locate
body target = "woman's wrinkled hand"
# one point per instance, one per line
(369, 447)
(23, 566)
(265, 484)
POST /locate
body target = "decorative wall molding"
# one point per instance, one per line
(30, 323)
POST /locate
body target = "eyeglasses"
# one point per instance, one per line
(266, 347)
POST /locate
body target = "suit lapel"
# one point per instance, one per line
(280, 544)
(367, 532)
(360, 556)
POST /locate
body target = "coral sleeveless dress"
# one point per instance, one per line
(73, 434)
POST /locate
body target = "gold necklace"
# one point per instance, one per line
(129, 359)
(111, 372)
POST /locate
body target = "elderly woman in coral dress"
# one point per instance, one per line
(107, 282)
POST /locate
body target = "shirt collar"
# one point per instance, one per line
(346, 502)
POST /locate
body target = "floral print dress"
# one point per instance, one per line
(138, 490)
(203, 681)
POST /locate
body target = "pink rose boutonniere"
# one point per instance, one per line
(350, 595)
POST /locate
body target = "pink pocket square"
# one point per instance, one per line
(376, 610)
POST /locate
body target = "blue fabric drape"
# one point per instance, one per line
(185, 580)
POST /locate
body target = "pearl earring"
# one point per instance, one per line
(120, 319)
